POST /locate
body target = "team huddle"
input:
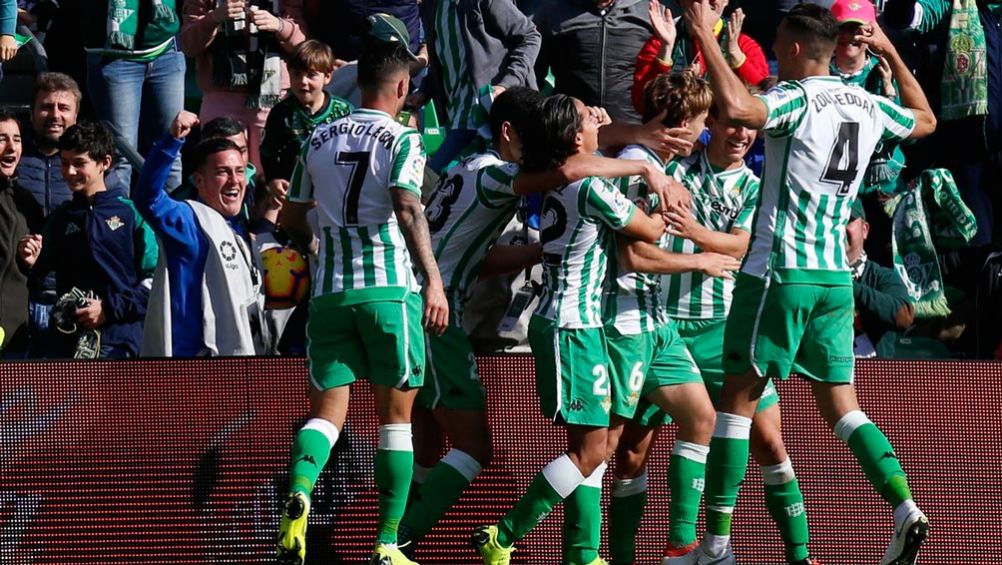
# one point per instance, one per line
(675, 287)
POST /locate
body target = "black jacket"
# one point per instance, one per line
(20, 215)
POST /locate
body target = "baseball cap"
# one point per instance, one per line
(857, 212)
(854, 11)
(391, 30)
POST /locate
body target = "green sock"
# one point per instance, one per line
(876, 456)
(310, 451)
(394, 468)
(549, 487)
(626, 510)
(583, 520)
(726, 467)
(686, 478)
(418, 477)
(786, 506)
(442, 488)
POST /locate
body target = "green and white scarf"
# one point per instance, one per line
(932, 195)
(123, 21)
(241, 60)
(964, 87)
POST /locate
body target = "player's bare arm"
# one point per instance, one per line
(644, 227)
(643, 257)
(909, 89)
(681, 223)
(414, 226)
(735, 103)
(504, 260)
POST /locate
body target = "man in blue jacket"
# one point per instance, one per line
(96, 242)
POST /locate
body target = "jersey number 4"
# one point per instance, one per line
(359, 163)
(843, 162)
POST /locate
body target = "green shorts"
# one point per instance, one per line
(705, 341)
(572, 373)
(777, 328)
(453, 381)
(668, 364)
(380, 341)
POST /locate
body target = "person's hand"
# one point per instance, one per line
(874, 37)
(886, 77)
(681, 223)
(416, 100)
(265, 20)
(656, 136)
(496, 91)
(29, 248)
(733, 33)
(662, 22)
(436, 309)
(228, 10)
(700, 19)
(670, 192)
(8, 48)
(278, 188)
(92, 315)
(717, 265)
(338, 63)
(183, 123)
(599, 115)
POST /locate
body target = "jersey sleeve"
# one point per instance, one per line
(786, 105)
(495, 184)
(407, 170)
(744, 220)
(896, 122)
(603, 202)
(301, 186)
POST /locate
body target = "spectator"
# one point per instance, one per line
(478, 49)
(19, 216)
(238, 50)
(206, 297)
(964, 83)
(8, 24)
(591, 46)
(292, 120)
(342, 24)
(96, 242)
(135, 73)
(882, 301)
(671, 49)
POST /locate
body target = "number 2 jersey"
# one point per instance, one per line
(349, 168)
(820, 135)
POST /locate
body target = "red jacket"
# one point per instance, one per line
(754, 70)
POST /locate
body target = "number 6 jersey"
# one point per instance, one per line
(820, 135)
(349, 168)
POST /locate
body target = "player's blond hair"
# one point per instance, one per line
(682, 96)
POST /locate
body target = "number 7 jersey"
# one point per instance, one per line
(820, 135)
(349, 168)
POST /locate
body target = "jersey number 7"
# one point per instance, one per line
(845, 149)
(359, 163)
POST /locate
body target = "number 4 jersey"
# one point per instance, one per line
(820, 135)
(349, 168)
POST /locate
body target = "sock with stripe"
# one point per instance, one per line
(686, 477)
(548, 488)
(876, 456)
(786, 506)
(442, 488)
(417, 479)
(583, 520)
(726, 467)
(626, 510)
(394, 469)
(310, 450)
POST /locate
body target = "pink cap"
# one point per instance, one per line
(858, 11)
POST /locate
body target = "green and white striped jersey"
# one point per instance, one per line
(820, 134)
(633, 304)
(576, 230)
(349, 167)
(721, 201)
(463, 105)
(470, 206)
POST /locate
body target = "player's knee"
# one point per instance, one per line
(589, 456)
(629, 463)
(482, 450)
(767, 446)
(697, 424)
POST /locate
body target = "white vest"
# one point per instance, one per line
(232, 297)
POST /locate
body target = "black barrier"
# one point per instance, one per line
(183, 462)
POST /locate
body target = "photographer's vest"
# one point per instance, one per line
(232, 297)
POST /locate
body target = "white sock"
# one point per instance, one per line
(903, 511)
(563, 475)
(716, 546)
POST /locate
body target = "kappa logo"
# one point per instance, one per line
(114, 223)
(72, 228)
(888, 455)
(228, 250)
(309, 459)
(576, 406)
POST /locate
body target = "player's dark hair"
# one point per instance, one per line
(222, 127)
(681, 96)
(210, 147)
(518, 106)
(88, 137)
(380, 61)
(552, 135)
(815, 28)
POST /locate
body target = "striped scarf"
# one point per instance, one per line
(123, 20)
(964, 87)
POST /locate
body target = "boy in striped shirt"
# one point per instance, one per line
(364, 173)
(792, 305)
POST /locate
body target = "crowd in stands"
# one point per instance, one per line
(106, 255)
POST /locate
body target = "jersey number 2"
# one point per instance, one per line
(359, 163)
(846, 149)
